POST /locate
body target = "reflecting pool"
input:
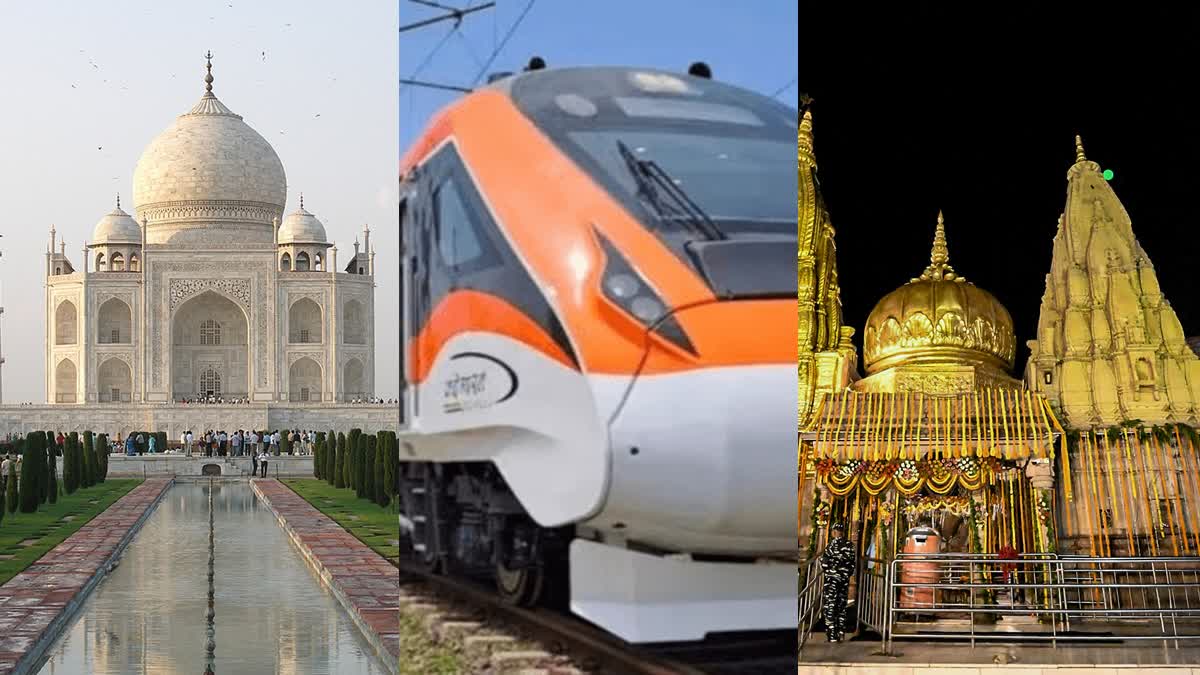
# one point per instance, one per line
(273, 616)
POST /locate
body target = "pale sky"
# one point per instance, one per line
(87, 85)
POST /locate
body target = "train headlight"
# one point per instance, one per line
(628, 290)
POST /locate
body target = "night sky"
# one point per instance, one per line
(977, 115)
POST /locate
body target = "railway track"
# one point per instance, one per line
(758, 653)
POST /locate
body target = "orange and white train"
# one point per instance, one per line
(599, 348)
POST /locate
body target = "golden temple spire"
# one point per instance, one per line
(1079, 156)
(806, 139)
(939, 256)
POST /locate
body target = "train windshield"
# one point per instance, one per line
(729, 150)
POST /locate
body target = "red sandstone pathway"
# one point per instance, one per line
(30, 601)
(365, 578)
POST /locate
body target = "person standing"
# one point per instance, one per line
(837, 563)
(189, 441)
(254, 461)
(262, 461)
(153, 443)
(5, 467)
(236, 442)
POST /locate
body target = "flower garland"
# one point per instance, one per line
(887, 513)
(909, 476)
(920, 505)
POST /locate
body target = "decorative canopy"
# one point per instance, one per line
(999, 423)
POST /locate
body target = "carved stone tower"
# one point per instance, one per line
(1109, 347)
(825, 358)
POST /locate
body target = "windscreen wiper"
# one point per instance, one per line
(651, 179)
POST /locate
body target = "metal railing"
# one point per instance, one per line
(1068, 598)
(811, 582)
(873, 585)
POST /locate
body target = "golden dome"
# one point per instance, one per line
(939, 318)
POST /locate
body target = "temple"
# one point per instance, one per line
(825, 355)
(1112, 359)
(938, 449)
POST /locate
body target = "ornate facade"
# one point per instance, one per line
(825, 356)
(203, 291)
(1109, 347)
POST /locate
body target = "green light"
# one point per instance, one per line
(1108, 174)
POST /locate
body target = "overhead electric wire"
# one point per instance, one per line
(427, 3)
(495, 52)
(784, 87)
(456, 14)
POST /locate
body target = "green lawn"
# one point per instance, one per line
(374, 525)
(48, 528)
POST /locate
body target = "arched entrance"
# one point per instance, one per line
(114, 381)
(210, 353)
(304, 380)
(65, 322)
(64, 381)
(353, 383)
(114, 324)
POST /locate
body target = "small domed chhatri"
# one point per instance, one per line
(938, 326)
(301, 227)
(117, 227)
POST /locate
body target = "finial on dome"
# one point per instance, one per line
(939, 256)
(118, 201)
(1079, 156)
(302, 201)
(208, 78)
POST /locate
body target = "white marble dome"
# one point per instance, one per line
(301, 227)
(209, 165)
(117, 227)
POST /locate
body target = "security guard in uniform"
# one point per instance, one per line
(837, 563)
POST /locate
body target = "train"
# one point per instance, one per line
(599, 360)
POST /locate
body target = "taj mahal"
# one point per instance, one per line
(207, 291)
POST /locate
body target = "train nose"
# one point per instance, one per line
(704, 460)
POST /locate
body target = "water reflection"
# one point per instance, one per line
(272, 614)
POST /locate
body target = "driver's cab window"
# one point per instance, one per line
(458, 243)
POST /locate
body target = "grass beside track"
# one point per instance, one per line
(47, 528)
(376, 526)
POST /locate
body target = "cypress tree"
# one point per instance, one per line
(369, 468)
(328, 456)
(387, 471)
(102, 455)
(331, 456)
(318, 447)
(86, 472)
(339, 460)
(13, 493)
(360, 467)
(381, 443)
(30, 471)
(70, 477)
(351, 444)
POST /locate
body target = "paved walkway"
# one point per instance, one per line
(35, 604)
(367, 585)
